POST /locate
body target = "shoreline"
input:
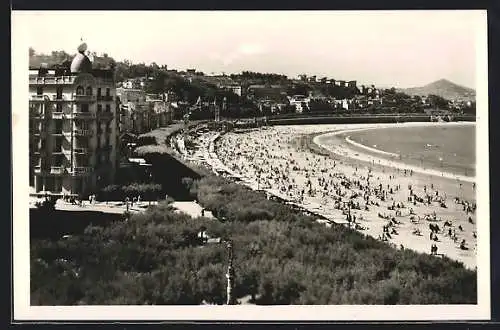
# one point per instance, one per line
(372, 149)
(348, 166)
(344, 151)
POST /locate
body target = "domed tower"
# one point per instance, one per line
(81, 63)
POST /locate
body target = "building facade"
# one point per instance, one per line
(140, 112)
(73, 128)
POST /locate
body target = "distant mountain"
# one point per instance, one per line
(443, 88)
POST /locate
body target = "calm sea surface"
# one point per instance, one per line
(450, 148)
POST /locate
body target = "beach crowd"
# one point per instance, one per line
(393, 205)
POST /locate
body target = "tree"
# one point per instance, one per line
(437, 101)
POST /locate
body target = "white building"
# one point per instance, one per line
(73, 128)
(300, 102)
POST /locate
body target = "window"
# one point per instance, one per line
(79, 90)
(58, 107)
(107, 92)
(58, 126)
(99, 92)
(39, 91)
(108, 108)
(99, 108)
(59, 93)
(89, 91)
(85, 108)
(58, 144)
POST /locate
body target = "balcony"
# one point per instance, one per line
(57, 170)
(57, 133)
(39, 132)
(84, 98)
(81, 150)
(57, 115)
(57, 151)
(83, 132)
(106, 98)
(106, 116)
(81, 115)
(60, 80)
(37, 115)
(80, 170)
(39, 98)
(60, 99)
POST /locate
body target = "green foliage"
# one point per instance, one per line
(281, 256)
(437, 102)
(147, 191)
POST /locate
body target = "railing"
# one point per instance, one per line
(57, 170)
(52, 80)
(39, 98)
(37, 115)
(83, 132)
(80, 150)
(104, 98)
(81, 170)
(82, 115)
(106, 116)
(57, 115)
(84, 98)
(57, 151)
(60, 98)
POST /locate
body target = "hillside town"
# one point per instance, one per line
(149, 96)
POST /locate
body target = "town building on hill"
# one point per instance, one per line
(141, 112)
(72, 126)
(133, 110)
(300, 102)
(234, 88)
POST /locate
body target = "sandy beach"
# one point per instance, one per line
(406, 206)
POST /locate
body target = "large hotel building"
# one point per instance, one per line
(73, 127)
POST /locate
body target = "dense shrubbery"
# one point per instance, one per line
(147, 191)
(281, 257)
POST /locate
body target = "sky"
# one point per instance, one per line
(385, 48)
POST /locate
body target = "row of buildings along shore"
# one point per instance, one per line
(78, 112)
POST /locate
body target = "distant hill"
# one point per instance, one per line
(443, 88)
